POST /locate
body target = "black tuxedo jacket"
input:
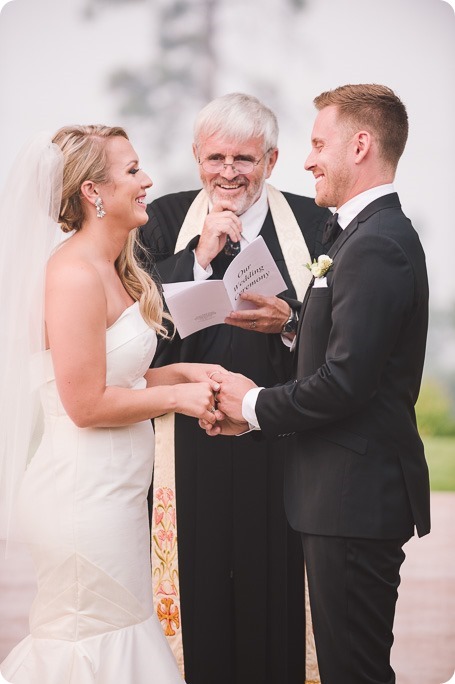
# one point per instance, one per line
(356, 465)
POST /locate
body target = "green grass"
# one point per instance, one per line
(440, 453)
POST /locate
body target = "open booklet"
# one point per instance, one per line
(195, 305)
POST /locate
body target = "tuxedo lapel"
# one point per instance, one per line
(384, 202)
(304, 303)
(299, 326)
(343, 237)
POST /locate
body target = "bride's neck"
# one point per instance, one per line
(105, 242)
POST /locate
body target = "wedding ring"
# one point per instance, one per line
(252, 324)
(212, 409)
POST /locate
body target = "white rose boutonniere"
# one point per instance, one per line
(320, 267)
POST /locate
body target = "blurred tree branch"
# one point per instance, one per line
(181, 75)
(187, 32)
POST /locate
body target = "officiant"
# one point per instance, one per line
(233, 593)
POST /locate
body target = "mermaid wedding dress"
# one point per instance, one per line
(83, 510)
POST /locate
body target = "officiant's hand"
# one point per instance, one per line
(220, 222)
(269, 316)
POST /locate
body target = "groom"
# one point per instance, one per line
(356, 475)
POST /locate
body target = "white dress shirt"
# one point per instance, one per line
(346, 213)
(352, 208)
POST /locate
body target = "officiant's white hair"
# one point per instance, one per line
(237, 116)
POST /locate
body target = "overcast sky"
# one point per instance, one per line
(54, 68)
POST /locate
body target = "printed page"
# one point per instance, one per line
(197, 305)
(253, 270)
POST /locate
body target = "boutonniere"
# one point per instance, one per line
(320, 267)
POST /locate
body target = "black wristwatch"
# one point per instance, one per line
(291, 324)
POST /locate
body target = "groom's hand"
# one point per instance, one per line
(225, 426)
(229, 398)
(233, 387)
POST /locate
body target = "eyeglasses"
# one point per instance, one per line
(243, 166)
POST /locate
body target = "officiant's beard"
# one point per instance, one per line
(243, 198)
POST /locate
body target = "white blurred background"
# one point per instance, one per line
(150, 65)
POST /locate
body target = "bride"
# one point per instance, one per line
(82, 501)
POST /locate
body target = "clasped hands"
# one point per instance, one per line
(228, 400)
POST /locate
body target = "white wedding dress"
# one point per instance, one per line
(83, 506)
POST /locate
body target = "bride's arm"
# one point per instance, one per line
(184, 372)
(76, 330)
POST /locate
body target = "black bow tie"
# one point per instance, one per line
(231, 248)
(331, 230)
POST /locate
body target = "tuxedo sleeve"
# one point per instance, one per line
(360, 318)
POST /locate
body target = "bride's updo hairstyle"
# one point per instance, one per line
(85, 158)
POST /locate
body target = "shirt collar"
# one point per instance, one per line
(253, 218)
(354, 206)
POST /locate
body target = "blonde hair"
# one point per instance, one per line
(85, 158)
(373, 107)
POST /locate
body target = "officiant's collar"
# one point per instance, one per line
(253, 218)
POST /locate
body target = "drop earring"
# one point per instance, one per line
(99, 207)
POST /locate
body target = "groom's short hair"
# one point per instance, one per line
(374, 108)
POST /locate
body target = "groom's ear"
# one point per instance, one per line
(362, 143)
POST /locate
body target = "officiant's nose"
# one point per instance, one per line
(229, 171)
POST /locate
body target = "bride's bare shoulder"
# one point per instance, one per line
(70, 267)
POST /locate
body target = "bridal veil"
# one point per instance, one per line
(29, 209)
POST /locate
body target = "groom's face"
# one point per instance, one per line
(330, 159)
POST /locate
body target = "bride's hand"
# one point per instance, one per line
(197, 399)
(202, 372)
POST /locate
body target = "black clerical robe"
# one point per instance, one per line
(241, 566)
